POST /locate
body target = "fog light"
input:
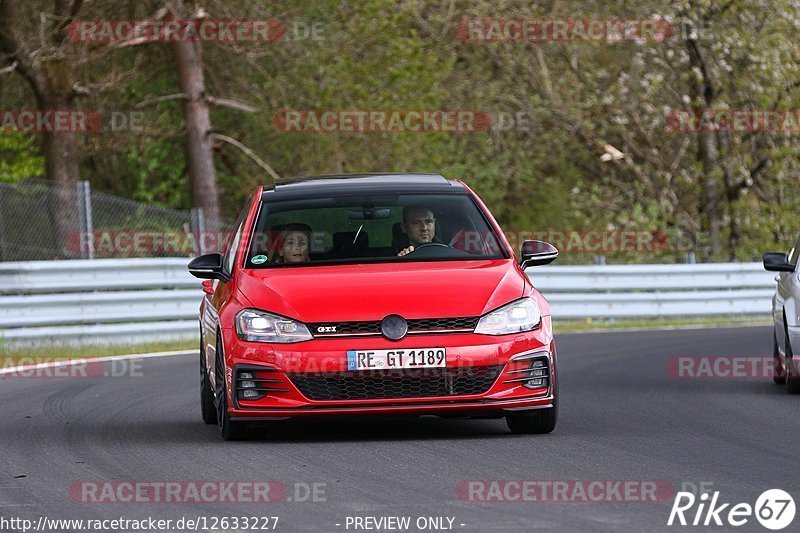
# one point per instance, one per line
(255, 384)
(537, 373)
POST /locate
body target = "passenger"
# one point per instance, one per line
(292, 243)
(419, 225)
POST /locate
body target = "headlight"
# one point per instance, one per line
(521, 315)
(258, 326)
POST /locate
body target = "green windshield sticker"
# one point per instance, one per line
(258, 259)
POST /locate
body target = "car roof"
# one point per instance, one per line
(335, 184)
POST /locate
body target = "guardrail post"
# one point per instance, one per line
(84, 198)
(3, 235)
(690, 258)
(199, 229)
(599, 260)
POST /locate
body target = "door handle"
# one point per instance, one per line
(777, 278)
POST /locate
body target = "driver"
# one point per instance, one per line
(419, 225)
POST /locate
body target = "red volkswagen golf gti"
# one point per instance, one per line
(373, 295)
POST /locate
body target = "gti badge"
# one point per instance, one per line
(326, 329)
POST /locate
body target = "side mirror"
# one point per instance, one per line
(536, 253)
(208, 266)
(777, 262)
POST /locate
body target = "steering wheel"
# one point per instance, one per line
(429, 244)
(434, 250)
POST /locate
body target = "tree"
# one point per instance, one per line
(199, 141)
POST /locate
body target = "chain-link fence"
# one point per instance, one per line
(43, 221)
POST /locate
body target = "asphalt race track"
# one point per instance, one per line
(624, 416)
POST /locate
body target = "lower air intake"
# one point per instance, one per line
(393, 384)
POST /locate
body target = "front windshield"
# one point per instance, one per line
(366, 229)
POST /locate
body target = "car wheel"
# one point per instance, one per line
(540, 421)
(207, 408)
(228, 429)
(779, 375)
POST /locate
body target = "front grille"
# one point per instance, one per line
(419, 325)
(437, 324)
(392, 384)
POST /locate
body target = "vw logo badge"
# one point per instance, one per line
(394, 327)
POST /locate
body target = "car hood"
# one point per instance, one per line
(370, 292)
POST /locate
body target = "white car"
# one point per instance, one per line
(786, 316)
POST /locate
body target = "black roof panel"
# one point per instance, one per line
(354, 183)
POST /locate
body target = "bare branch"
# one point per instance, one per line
(66, 10)
(11, 68)
(247, 151)
(81, 90)
(12, 45)
(233, 104)
(158, 99)
(160, 14)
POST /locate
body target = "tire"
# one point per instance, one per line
(207, 408)
(792, 379)
(539, 421)
(228, 429)
(780, 373)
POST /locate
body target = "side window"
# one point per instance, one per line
(233, 246)
(795, 253)
(230, 254)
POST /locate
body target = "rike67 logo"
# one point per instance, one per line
(774, 509)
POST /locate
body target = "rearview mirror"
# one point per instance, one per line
(536, 253)
(777, 262)
(369, 213)
(208, 266)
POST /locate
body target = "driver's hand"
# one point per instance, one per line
(406, 251)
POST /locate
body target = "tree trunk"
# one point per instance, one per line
(703, 94)
(60, 150)
(199, 150)
(52, 83)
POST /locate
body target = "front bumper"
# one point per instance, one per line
(464, 351)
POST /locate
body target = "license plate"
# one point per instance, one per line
(388, 359)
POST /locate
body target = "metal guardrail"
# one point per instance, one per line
(626, 291)
(148, 300)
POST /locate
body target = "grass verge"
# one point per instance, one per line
(566, 326)
(43, 354)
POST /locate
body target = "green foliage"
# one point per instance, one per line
(577, 98)
(20, 158)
